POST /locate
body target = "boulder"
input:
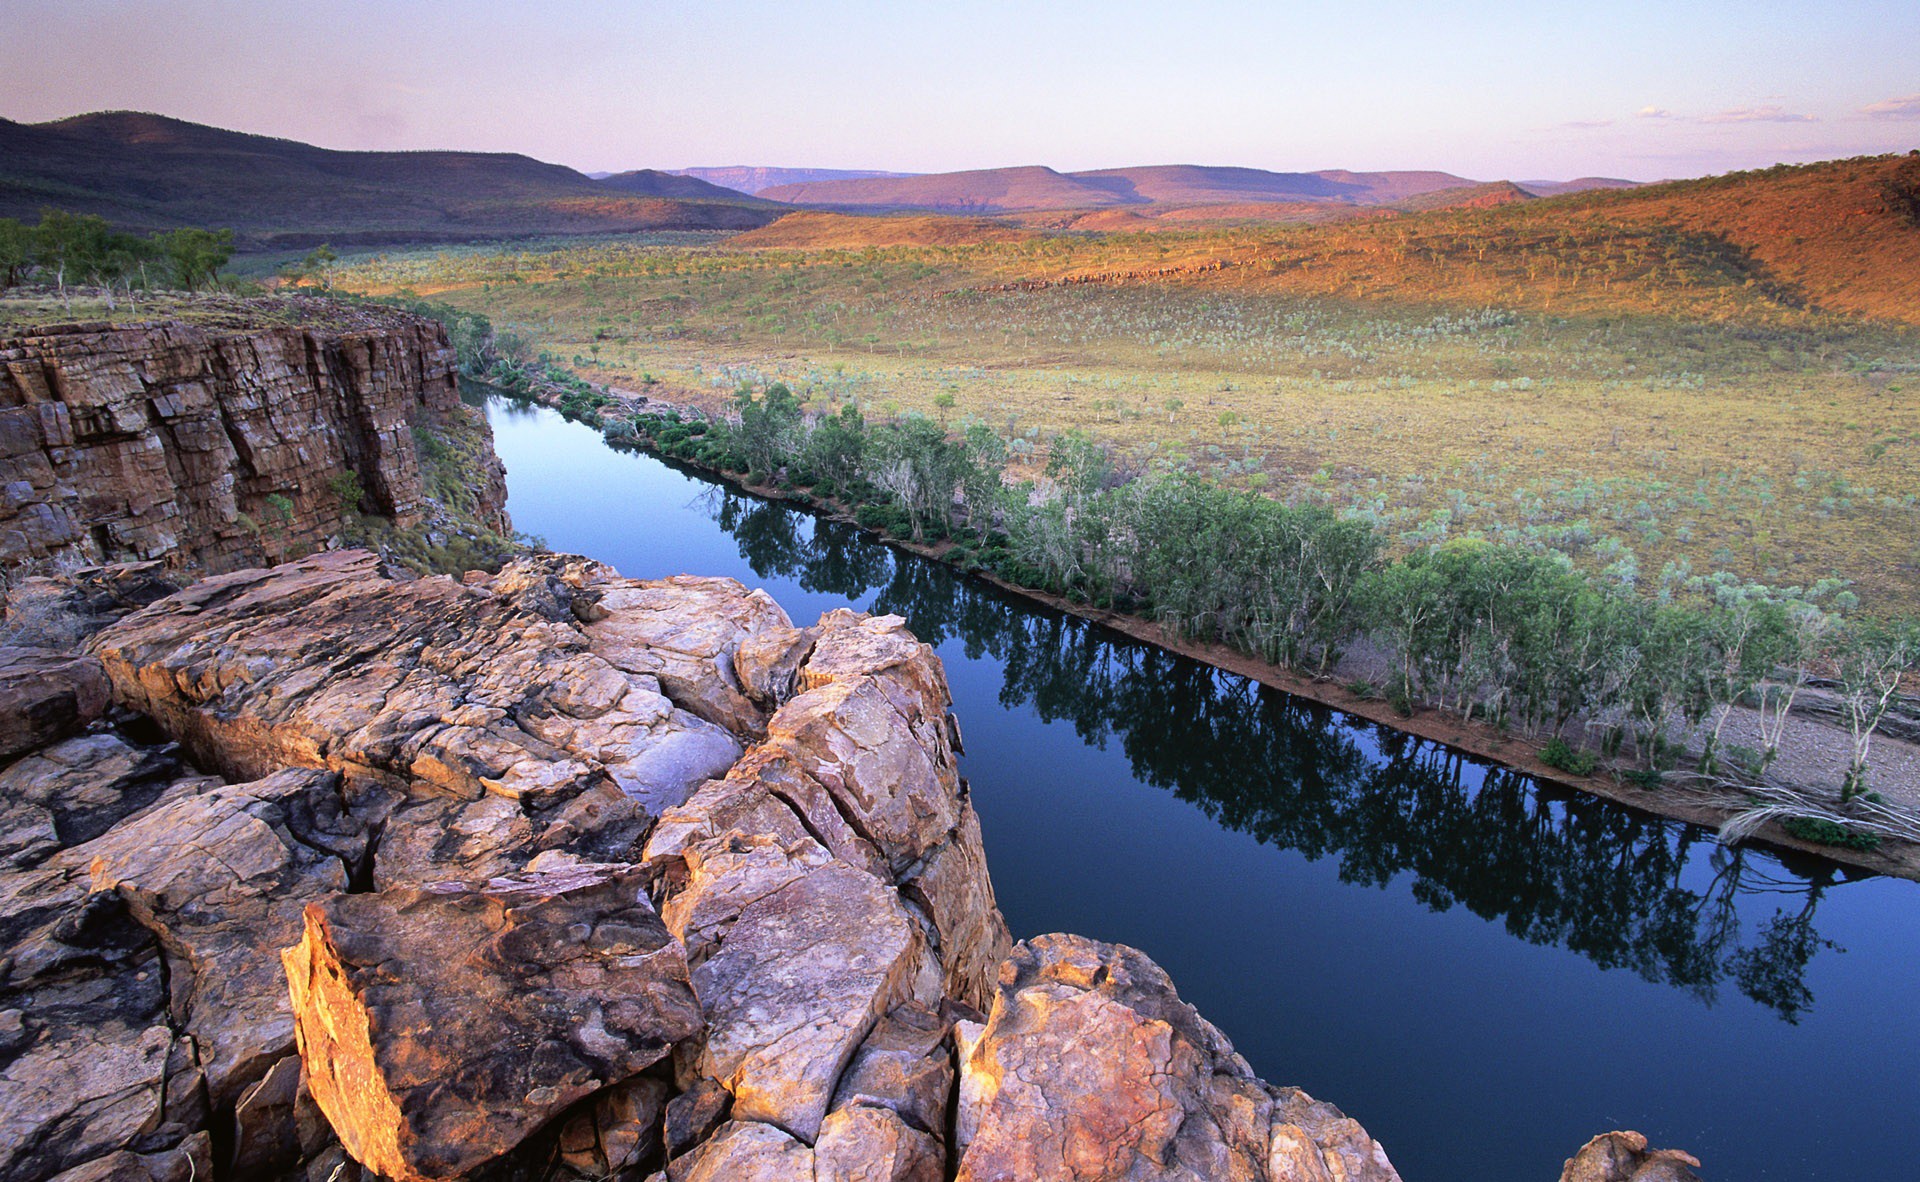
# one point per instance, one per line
(77, 789)
(685, 631)
(798, 981)
(46, 695)
(219, 876)
(441, 1025)
(1624, 1157)
(1090, 1067)
(458, 689)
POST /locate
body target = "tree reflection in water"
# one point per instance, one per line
(1622, 888)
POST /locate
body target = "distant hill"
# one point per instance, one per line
(651, 182)
(150, 172)
(1840, 237)
(1577, 185)
(1018, 190)
(986, 190)
(819, 230)
(756, 180)
(1468, 197)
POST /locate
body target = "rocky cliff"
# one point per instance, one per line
(213, 449)
(555, 873)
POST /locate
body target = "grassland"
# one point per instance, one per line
(1711, 375)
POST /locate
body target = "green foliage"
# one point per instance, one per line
(16, 251)
(1557, 753)
(346, 488)
(770, 426)
(1824, 832)
(195, 255)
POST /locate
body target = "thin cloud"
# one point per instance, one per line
(1770, 113)
(1588, 123)
(1905, 107)
(1653, 113)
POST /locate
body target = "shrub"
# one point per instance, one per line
(1823, 832)
(1558, 753)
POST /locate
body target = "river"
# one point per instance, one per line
(1482, 970)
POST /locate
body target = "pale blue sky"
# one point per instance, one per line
(1515, 90)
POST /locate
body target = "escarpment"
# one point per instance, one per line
(215, 449)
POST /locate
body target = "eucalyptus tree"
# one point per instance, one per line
(1871, 655)
(770, 427)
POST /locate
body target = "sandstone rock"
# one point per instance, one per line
(1624, 1157)
(905, 1067)
(89, 1062)
(192, 1159)
(685, 632)
(46, 695)
(767, 664)
(745, 1151)
(1090, 1067)
(441, 1025)
(865, 1144)
(797, 983)
(450, 689)
(165, 442)
(618, 1132)
(61, 611)
(694, 1114)
(221, 876)
(75, 790)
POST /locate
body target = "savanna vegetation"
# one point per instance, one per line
(1597, 374)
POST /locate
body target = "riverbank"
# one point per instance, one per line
(1481, 740)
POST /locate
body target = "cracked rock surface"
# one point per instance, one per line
(556, 874)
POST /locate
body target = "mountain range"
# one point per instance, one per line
(148, 172)
(1035, 187)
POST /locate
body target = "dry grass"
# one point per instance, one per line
(1597, 373)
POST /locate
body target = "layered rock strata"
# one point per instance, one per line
(555, 873)
(216, 449)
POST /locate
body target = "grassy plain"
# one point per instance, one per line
(1723, 373)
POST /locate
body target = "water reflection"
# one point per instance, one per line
(1624, 889)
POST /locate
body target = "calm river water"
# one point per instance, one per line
(1481, 970)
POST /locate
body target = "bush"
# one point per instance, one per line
(1823, 832)
(1558, 753)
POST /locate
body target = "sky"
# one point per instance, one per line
(1513, 90)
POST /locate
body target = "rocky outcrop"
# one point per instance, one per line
(1091, 1067)
(217, 449)
(46, 695)
(1624, 1157)
(555, 873)
(536, 990)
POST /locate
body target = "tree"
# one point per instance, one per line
(16, 251)
(1871, 655)
(195, 255)
(836, 448)
(769, 426)
(319, 261)
(67, 243)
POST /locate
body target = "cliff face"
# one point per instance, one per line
(214, 450)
